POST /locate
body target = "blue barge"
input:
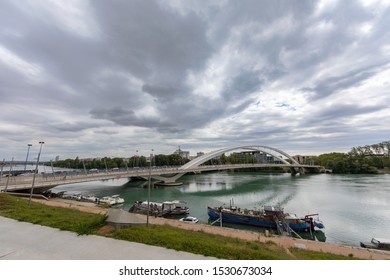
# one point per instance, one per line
(270, 217)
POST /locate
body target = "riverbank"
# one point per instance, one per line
(284, 242)
(385, 170)
(74, 204)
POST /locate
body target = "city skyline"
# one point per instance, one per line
(103, 78)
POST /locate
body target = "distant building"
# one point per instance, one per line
(57, 158)
(259, 157)
(199, 154)
(304, 159)
(182, 154)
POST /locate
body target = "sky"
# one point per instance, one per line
(110, 78)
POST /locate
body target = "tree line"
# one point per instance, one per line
(116, 162)
(362, 159)
(142, 161)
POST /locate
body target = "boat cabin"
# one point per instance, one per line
(272, 210)
(377, 243)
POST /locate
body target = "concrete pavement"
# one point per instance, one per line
(25, 241)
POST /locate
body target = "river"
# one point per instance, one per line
(353, 208)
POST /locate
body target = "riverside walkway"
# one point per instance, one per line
(47, 181)
(25, 241)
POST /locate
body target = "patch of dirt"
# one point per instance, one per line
(79, 205)
(105, 230)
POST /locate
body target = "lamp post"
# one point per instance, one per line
(85, 170)
(105, 163)
(9, 175)
(35, 173)
(52, 169)
(1, 171)
(28, 150)
(150, 174)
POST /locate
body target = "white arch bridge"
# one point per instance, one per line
(272, 157)
(278, 158)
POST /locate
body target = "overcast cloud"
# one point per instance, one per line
(107, 78)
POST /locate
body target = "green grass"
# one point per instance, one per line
(201, 243)
(315, 255)
(164, 236)
(56, 217)
(214, 245)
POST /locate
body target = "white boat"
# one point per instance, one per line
(89, 198)
(112, 200)
(118, 199)
(189, 219)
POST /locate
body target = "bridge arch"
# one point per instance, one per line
(276, 153)
(265, 149)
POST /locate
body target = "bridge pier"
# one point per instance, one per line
(167, 181)
(294, 171)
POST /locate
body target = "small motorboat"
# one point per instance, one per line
(112, 200)
(377, 243)
(189, 219)
(118, 199)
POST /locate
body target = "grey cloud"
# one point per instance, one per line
(153, 41)
(72, 127)
(117, 115)
(334, 84)
(161, 91)
(342, 111)
(245, 82)
(125, 117)
(337, 115)
(106, 132)
(61, 54)
(234, 13)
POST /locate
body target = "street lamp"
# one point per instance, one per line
(1, 171)
(150, 174)
(9, 175)
(35, 173)
(28, 150)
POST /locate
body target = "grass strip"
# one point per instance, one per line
(201, 243)
(56, 217)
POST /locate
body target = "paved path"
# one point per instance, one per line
(25, 241)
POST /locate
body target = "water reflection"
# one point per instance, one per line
(213, 186)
